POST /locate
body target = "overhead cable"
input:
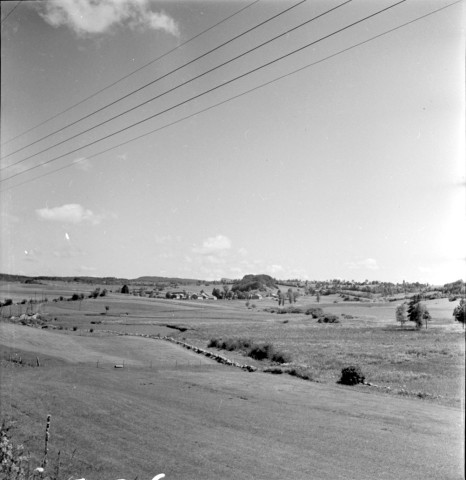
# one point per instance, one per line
(131, 73)
(176, 87)
(234, 97)
(10, 12)
(224, 101)
(152, 81)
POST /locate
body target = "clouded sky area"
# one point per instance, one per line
(310, 139)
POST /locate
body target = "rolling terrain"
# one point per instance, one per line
(173, 411)
(211, 421)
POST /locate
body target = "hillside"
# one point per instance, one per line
(254, 282)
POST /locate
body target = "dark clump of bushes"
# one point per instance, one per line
(351, 376)
(303, 373)
(264, 351)
(316, 312)
(283, 310)
(274, 370)
(328, 319)
(267, 351)
(230, 344)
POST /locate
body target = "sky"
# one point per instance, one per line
(334, 151)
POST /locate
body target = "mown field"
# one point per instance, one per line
(174, 411)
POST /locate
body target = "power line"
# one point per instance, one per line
(153, 81)
(205, 92)
(174, 88)
(234, 97)
(9, 13)
(131, 73)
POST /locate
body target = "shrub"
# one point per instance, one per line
(459, 313)
(214, 343)
(303, 373)
(91, 330)
(13, 461)
(281, 357)
(74, 329)
(275, 370)
(328, 319)
(267, 351)
(230, 344)
(316, 312)
(261, 352)
(351, 376)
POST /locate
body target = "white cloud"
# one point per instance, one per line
(69, 213)
(368, 263)
(86, 17)
(214, 245)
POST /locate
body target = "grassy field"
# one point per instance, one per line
(174, 411)
(428, 363)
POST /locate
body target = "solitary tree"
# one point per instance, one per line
(290, 295)
(281, 298)
(417, 312)
(401, 314)
(460, 311)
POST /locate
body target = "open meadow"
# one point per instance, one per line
(174, 411)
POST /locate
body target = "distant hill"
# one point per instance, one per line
(151, 279)
(97, 280)
(254, 282)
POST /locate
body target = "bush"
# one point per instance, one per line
(74, 329)
(316, 312)
(303, 373)
(13, 460)
(328, 319)
(351, 376)
(256, 351)
(230, 344)
(261, 352)
(267, 351)
(214, 343)
(275, 370)
(281, 357)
